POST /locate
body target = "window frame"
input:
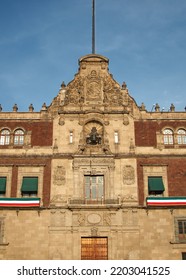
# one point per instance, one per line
(181, 137)
(168, 137)
(71, 137)
(30, 193)
(5, 137)
(156, 192)
(19, 134)
(31, 171)
(116, 137)
(180, 229)
(97, 195)
(154, 170)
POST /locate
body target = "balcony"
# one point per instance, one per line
(81, 203)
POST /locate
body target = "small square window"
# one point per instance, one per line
(180, 229)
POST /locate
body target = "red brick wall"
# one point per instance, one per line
(176, 175)
(145, 130)
(42, 131)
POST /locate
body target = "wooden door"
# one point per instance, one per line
(94, 248)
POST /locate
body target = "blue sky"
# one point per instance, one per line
(42, 40)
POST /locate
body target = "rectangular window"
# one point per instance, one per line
(116, 137)
(29, 186)
(182, 230)
(155, 186)
(94, 187)
(2, 186)
(71, 137)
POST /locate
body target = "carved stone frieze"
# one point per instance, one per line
(112, 92)
(93, 87)
(59, 176)
(61, 120)
(94, 231)
(81, 219)
(78, 219)
(74, 93)
(107, 219)
(128, 175)
(128, 198)
(125, 120)
(93, 218)
(104, 162)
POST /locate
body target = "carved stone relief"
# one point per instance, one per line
(81, 219)
(93, 89)
(94, 231)
(59, 176)
(74, 93)
(78, 219)
(128, 175)
(112, 92)
(104, 162)
(61, 120)
(125, 120)
(94, 218)
(107, 219)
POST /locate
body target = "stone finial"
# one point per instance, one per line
(142, 107)
(172, 108)
(31, 108)
(157, 107)
(44, 107)
(1, 108)
(124, 85)
(63, 85)
(15, 108)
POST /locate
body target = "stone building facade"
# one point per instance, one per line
(93, 175)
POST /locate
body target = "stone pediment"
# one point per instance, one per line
(93, 87)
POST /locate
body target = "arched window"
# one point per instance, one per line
(19, 137)
(168, 137)
(5, 137)
(181, 137)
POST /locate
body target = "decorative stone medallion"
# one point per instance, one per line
(128, 175)
(94, 218)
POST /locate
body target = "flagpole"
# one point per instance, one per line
(93, 26)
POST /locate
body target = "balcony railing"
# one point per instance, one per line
(80, 201)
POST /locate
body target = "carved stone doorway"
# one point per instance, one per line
(94, 248)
